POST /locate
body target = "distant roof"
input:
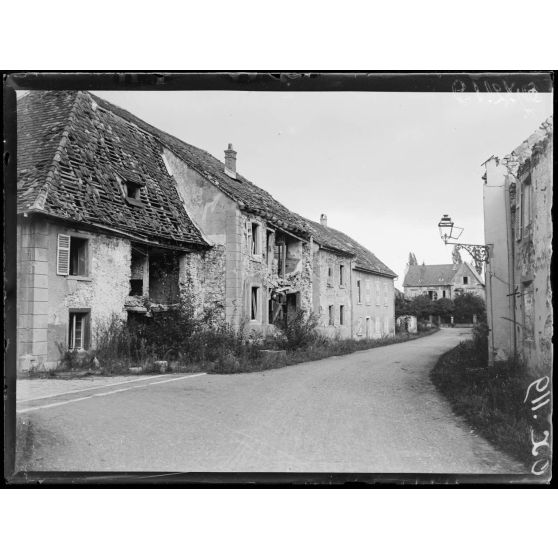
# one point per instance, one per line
(245, 193)
(74, 159)
(338, 241)
(430, 275)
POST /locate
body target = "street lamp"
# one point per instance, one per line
(449, 231)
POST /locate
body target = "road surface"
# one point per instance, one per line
(371, 411)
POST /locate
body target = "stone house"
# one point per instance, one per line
(118, 217)
(101, 229)
(353, 290)
(442, 281)
(518, 232)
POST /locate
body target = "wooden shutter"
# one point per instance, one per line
(63, 255)
(518, 211)
(87, 331)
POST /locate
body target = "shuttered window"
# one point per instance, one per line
(63, 255)
(254, 304)
(71, 255)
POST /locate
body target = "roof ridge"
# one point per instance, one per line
(39, 203)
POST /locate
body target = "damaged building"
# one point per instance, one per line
(101, 229)
(518, 232)
(117, 216)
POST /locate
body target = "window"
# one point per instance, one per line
(465, 280)
(133, 190)
(330, 276)
(254, 303)
(386, 326)
(268, 245)
(133, 193)
(71, 257)
(331, 315)
(79, 330)
(433, 295)
(385, 295)
(341, 274)
(377, 292)
(255, 242)
(443, 294)
(359, 293)
(341, 314)
(377, 324)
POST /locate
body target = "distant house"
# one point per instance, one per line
(518, 231)
(101, 228)
(442, 281)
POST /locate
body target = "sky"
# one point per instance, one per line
(383, 167)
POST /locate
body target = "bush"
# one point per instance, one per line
(301, 331)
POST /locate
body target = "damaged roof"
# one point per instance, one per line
(523, 152)
(340, 242)
(249, 196)
(75, 159)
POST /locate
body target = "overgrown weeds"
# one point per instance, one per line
(489, 398)
(185, 341)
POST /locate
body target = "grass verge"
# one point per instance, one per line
(489, 398)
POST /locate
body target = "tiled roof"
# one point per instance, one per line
(74, 159)
(430, 275)
(248, 195)
(336, 240)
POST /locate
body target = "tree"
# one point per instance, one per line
(421, 307)
(412, 259)
(466, 305)
(402, 307)
(456, 256)
(444, 308)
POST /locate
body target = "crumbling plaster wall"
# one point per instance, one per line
(258, 272)
(532, 262)
(103, 290)
(214, 276)
(201, 281)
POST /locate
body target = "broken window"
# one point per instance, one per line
(163, 276)
(79, 330)
(139, 277)
(72, 256)
(254, 303)
(133, 193)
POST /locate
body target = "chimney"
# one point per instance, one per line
(323, 219)
(230, 161)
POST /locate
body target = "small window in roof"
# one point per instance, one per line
(133, 192)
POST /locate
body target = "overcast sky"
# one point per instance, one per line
(384, 167)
